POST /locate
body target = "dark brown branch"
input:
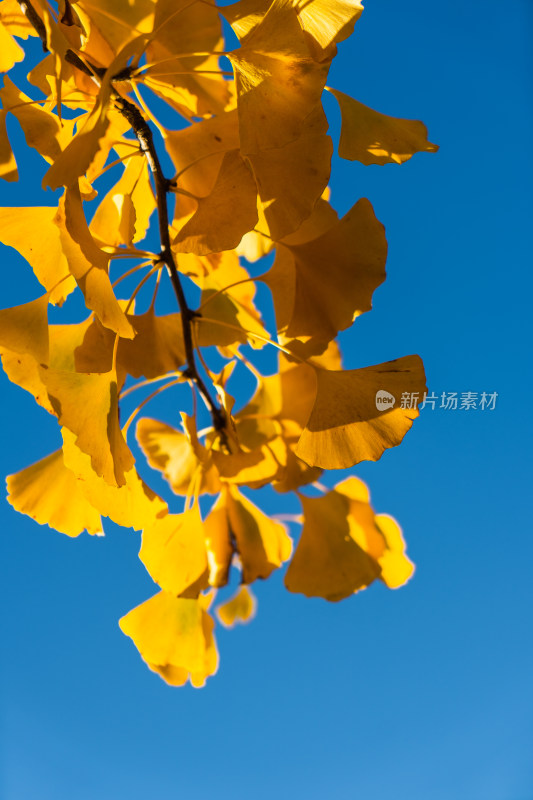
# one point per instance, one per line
(144, 136)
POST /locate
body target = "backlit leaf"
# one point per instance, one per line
(238, 609)
(174, 635)
(50, 494)
(346, 425)
(374, 138)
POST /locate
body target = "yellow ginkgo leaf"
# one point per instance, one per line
(313, 304)
(348, 422)
(123, 216)
(173, 550)
(253, 468)
(325, 21)
(239, 609)
(133, 505)
(15, 20)
(24, 329)
(174, 635)
(225, 215)
(170, 451)
(8, 163)
(10, 51)
(230, 305)
(42, 129)
(262, 543)
(89, 264)
(87, 405)
(184, 73)
(374, 138)
(197, 152)
(50, 494)
(396, 568)
(328, 562)
(291, 178)
(32, 232)
(277, 81)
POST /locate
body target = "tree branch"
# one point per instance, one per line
(144, 136)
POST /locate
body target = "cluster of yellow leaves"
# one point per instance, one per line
(251, 158)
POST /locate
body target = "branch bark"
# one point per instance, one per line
(145, 138)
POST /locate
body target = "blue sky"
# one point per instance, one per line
(420, 693)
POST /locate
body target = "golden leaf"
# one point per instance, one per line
(24, 329)
(50, 494)
(374, 138)
(325, 21)
(170, 451)
(132, 505)
(42, 129)
(174, 635)
(290, 179)
(328, 562)
(10, 51)
(313, 304)
(238, 609)
(225, 215)
(277, 81)
(88, 264)
(87, 405)
(396, 569)
(173, 550)
(32, 232)
(262, 543)
(123, 216)
(346, 426)
(8, 164)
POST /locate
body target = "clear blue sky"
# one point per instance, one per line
(425, 693)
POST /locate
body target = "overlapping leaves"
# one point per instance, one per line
(251, 160)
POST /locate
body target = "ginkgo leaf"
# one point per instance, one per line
(262, 543)
(232, 306)
(170, 451)
(24, 329)
(328, 562)
(197, 152)
(8, 164)
(185, 74)
(174, 635)
(374, 138)
(87, 405)
(325, 21)
(347, 426)
(277, 81)
(132, 505)
(88, 264)
(344, 546)
(396, 568)
(23, 368)
(123, 216)
(33, 233)
(10, 51)
(239, 609)
(313, 305)
(50, 494)
(253, 468)
(76, 158)
(15, 20)
(291, 178)
(225, 215)
(173, 550)
(42, 129)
